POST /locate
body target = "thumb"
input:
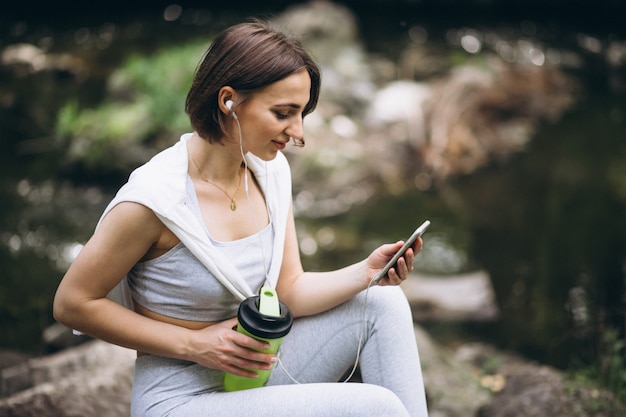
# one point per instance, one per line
(390, 249)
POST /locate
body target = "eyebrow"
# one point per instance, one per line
(292, 105)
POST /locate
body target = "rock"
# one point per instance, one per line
(440, 127)
(452, 387)
(58, 337)
(10, 358)
(93, 379)
(14, 379)
(466, 297)
(538, 391)
(528, 389)
(24, 58)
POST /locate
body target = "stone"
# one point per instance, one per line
(463, 297)
(93, 379)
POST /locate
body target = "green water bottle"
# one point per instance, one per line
(265, 318)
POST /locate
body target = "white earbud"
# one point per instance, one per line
(229, 105)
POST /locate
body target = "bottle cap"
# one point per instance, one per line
(265, 316)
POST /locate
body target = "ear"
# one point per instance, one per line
(226, 94)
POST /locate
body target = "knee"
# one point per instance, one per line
(374, 400)
(388, 300)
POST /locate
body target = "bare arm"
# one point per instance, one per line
(307, 293)
(125, 235)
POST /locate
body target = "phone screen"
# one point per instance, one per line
(409, 242)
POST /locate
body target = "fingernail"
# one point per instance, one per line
(274, 359)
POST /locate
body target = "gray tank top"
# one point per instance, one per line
(177, 284)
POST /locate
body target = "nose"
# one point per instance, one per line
(295, 129)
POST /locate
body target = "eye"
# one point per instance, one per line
(281, 116)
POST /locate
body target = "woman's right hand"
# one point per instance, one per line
(220, 346)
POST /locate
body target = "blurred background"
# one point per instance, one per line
(503, 122)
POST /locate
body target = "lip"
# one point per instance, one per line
(280, 145)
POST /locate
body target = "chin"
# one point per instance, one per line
(265, 156)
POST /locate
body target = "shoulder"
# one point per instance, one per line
(131, 218)
(159, 184)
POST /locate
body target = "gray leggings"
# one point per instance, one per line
(317, 352)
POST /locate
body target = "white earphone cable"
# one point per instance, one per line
(265, 267)
(246, 188)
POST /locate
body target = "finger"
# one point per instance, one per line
(406, 266)
(389, 249)
(417, 247)
(253, 360)
(241, 369)
(393, 277)
(402, 269)
(251, 349)
(235, 370)
(249, 343)
(409, 258)
(253, 356)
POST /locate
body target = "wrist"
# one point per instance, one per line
(187, 347)
(362, 274)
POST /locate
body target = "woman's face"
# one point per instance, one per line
(273, 114)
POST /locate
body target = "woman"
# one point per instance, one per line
(204, 225)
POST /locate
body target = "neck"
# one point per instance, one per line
(220, 163)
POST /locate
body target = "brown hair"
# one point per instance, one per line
(246, 57)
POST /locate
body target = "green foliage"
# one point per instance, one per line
(612, 371)
(160, 82)
(609, 368)
(93, 131)
(491, 364)
(144, 101)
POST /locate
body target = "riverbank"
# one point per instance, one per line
(466, 379)
(473, 380)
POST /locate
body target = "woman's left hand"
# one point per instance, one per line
(379, 258)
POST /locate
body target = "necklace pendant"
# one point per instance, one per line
(233, 205)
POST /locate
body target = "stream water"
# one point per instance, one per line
(547, 224)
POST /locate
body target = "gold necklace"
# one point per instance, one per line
(233, 202)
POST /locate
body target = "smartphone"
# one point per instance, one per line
(409, 242)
